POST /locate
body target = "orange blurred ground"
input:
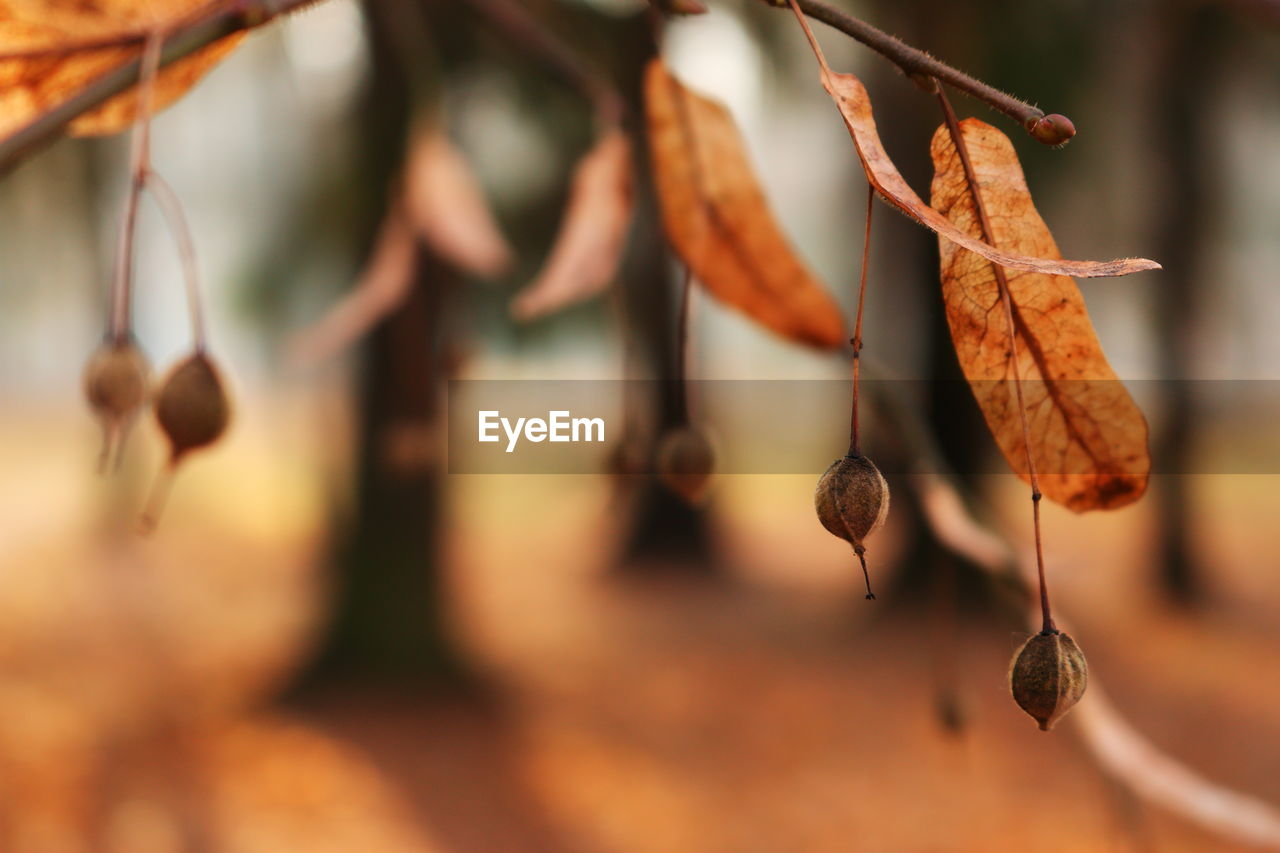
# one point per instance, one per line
(777, 711)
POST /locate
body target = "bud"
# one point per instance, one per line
(686, 462)
(852, 499)
(1048, 676)
(192, 407)
(1052, 129)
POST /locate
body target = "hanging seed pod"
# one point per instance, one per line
(116, 386)
(193, 411)
(852, 500)
(626, 459)
(192, 407)
(686, 463)
(1048, 676)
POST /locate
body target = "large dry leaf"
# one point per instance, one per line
(1089, 439)
(718, 220)
(31, 85)
(448, 209)
(589, 246)
(855, 106)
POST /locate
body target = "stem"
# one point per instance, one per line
(1002, 282)
(522, 28)
(808, 34)
(854, 444)
(159, 496)
(682, 343)
(140, 150)
(171, 206)
(915, 63)
(866, 576)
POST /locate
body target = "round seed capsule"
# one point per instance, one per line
(1048, 676)
(116, 381)
(852, 499)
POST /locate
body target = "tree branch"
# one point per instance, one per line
(918, 65)
(182, 39)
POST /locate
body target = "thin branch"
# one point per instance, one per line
(854, 437)
(682, 342)
(216, 21)
(139, 156)
(122, 39)
(919, 65)
(1002, 282)
(171, 207)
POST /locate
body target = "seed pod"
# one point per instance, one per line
(193, 411)
(116, 385)
(686, 463)
(192, 407)
(1048, 676)
(626, 459)
(852, 499)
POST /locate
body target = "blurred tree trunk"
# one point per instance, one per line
(667, 534)
(388, 619)
(1189, 61)
(949, 408)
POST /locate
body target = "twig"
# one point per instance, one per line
(682, 342)
(124, 38)
(919, 65)
(521, 27)
(139, 155)
(1137, 763)
(171, 206)
(854, 442)
(215, 22)
(1002, 282)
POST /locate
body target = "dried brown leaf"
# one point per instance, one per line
(1089, 438)
(589, 246)
(719, 222)
(855, 106)
(448, 209)
(382, 287)
(31, 85)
